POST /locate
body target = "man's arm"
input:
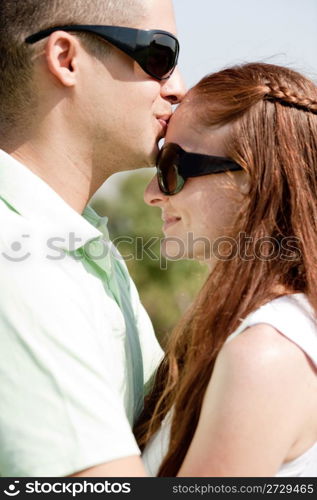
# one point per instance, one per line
(60, 409)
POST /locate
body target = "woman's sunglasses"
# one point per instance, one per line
(174, 166)
(154, 50)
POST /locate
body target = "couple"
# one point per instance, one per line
(236, 392)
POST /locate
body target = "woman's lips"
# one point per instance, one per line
(163, 121)
(163, 124)
(169, 222)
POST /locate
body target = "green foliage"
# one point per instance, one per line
(166, 288)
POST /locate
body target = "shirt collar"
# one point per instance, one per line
(36, 201)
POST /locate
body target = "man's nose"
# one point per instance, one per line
(174, 89)
(152, 194)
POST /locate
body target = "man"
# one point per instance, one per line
(75, 107)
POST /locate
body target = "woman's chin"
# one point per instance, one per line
(173, 249)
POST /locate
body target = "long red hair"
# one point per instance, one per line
(274, 137)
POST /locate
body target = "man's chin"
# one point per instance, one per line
(151, 162)
(146, 158)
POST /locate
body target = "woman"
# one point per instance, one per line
(236, 394)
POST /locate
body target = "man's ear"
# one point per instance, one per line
(61, 52)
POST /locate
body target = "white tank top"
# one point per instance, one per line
(292, 315)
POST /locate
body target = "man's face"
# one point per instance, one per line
(126, 109)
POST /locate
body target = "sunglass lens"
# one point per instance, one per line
(169, 180)
(162, 56)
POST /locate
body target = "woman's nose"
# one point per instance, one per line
(152, 195)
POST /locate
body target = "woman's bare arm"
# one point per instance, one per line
(123, 467)
(253, 408)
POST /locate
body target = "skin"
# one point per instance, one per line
(203, 211)
(95, 117)
(260, 406)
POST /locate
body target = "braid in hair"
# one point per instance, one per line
(285, 96)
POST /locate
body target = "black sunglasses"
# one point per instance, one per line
(174, 166)
(155, 51)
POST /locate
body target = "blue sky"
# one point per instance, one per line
(214, 34)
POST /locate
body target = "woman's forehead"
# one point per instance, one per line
(186, 130)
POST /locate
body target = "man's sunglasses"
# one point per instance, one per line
(155, 51)
(174, 166)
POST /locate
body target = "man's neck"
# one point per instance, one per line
(69, 171)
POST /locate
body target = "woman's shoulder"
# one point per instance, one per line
(274, 352)
(270, 363)
(287, 318)
(275, 347)
(260, 356)
(260, 400)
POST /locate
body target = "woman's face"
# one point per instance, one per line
(197, 220)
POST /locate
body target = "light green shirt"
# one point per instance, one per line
(76, 343)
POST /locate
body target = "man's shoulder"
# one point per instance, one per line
(9, 217)
(28, 265)
(15, 238)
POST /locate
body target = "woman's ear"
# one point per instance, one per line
(244, 183)
(242, 180)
